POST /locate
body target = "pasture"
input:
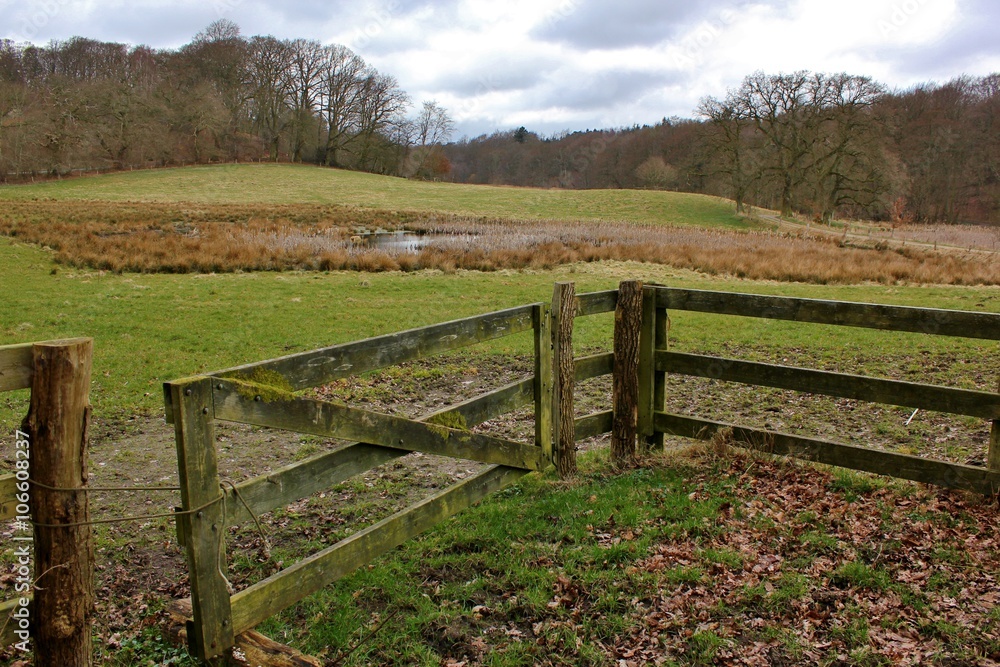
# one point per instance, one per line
(697, 556)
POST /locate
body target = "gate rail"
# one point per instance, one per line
(654, 421)
(264, 394)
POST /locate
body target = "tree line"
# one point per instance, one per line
(808, 143)
(83, 104)
(811, 143)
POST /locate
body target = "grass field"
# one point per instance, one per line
(659, 562)
(283, 184)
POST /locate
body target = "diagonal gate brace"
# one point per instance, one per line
(265, 406)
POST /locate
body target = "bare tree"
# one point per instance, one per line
(269, 85)
(432, 127)
(381, 112)
(340, 93)
(308, 61)
(729, 138)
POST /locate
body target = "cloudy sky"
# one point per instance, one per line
(554, 65)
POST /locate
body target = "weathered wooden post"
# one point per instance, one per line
(201, 528)
(564, 310)
(993, 455)
(543, 386)
(652, 382)
(57, 425)
(625, 382)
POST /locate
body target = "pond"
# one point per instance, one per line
(407, 241)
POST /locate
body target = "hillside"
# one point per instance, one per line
(285, 183)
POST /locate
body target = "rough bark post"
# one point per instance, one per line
(625, 383)
(993, 455)
(57, 424)
(564, 310)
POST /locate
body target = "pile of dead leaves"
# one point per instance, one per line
(811, 568)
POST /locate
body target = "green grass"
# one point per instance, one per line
(282, 184)
(153, 328)
(158, 327)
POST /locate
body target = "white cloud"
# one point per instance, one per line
(571, 64)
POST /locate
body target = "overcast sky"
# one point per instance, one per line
(554, 65)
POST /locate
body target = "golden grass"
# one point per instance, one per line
(220, 238)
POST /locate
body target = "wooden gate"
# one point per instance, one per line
(265, 394)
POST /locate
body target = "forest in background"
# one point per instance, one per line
(823, 145)
(808, 143)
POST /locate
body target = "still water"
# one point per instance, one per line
(404, 241)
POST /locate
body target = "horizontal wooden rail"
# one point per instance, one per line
(891, 464)
(596, 365)
(15, 367)
(593, 425)
(594, 303)
(877, 390)
(492, 404)
(235, 401)
(268, 597)
(959, 323)
(281, 487)
(286, 485)
(8, 500)
(318, 367)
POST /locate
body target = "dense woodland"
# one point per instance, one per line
(816, 144)
(807, 143)
(82, 105)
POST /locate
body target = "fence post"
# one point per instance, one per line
(625, 382)
(203, 532)
(662, 336)
(993, 455)
(543, 380)
(57, 424)
(563, 312)
(647, 352)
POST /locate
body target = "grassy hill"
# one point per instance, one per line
(301, 184)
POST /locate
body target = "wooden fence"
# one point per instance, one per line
(265, 394)
(658, 360)
(58, 555)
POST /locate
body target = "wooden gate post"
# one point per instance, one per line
(543, 380)
(652, 383)
(625, 382)
(563, 311)
(57, 424)
(203, 532)
(993, 455)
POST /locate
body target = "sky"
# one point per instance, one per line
(568, 65)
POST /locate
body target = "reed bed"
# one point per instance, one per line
(971, 237)
(177, 239)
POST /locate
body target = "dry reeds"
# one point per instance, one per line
(172, 238)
